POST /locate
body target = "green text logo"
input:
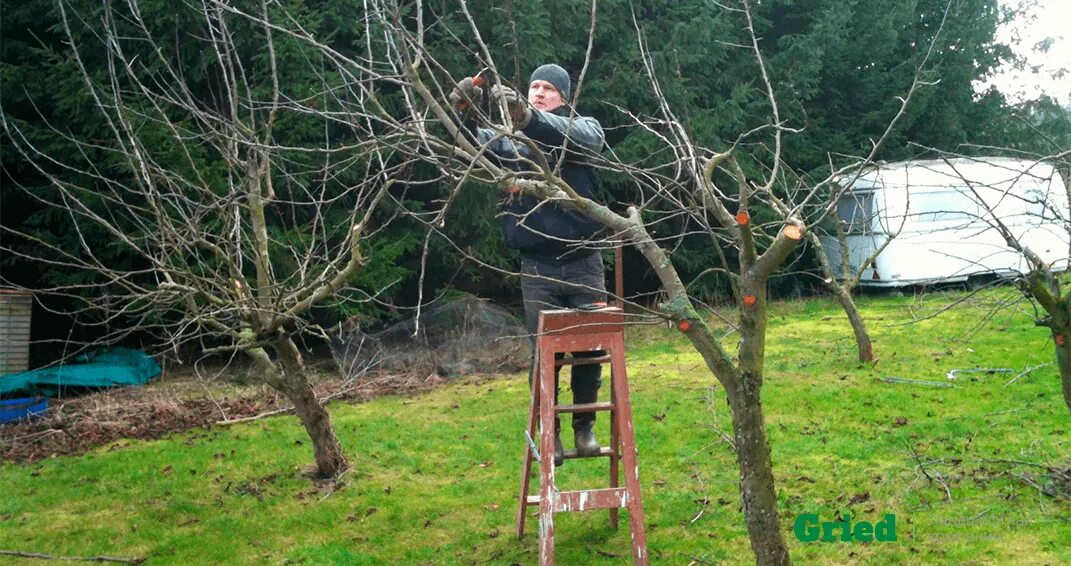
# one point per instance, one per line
(809, 529)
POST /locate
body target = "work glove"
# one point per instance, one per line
(466, 96)
(516, 104)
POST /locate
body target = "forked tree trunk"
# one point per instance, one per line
(757, 493)
(862, 336)
(1044, 287)
(743, 388)
(843, 293)
(330, 460)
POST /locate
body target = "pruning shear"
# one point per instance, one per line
(479, 80)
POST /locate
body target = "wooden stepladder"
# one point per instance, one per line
(581, 331)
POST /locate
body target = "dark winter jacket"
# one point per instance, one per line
(543, 230)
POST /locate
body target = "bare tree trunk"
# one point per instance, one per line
(757, 493)
(330, 461)
(1063, 359)
(1061, 336)
(1044, 287)
(843, 293)
(862, 336)
(1059, 308)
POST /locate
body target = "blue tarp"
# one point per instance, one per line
(12, 410)
(114, 367)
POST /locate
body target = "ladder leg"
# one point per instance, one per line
(628, 452)
(546, 453)
(526, 471)
(615, 445)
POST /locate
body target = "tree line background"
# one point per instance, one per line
(837, 68)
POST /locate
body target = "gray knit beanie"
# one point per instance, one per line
(554, 75)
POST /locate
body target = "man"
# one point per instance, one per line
(557, 270)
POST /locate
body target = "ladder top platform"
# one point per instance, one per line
(565, 321)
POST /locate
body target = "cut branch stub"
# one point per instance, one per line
(793, 231)
(742, 218)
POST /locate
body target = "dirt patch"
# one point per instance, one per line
(77, 425)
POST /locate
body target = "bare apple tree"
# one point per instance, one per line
(854, 215)
(243, 187)
(1028, 208)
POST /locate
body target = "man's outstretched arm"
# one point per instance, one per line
(582, 134)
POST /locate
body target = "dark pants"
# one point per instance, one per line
(569, 283)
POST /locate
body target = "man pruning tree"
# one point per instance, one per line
(559, 267)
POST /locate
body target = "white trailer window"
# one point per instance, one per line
(856, 211)
(1040, 207)
(944, 206)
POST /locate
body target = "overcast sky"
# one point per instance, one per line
(1053, 20)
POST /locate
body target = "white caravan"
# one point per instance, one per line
(940, 215)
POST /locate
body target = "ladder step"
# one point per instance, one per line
(582, 361)
(583, 407)
(571, 454)
(590, 499)
(603, 451)
(586, 500)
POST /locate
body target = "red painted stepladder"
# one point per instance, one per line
(563, 331)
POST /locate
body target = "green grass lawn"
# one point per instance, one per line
(435, 477)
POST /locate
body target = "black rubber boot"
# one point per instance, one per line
(559, 450)
(586, 444)
(586, 380)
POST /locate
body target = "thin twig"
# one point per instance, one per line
(1020, 462)
(257, 416)
(41, 556)
(923, 382)
(973, 416)
(1041, 488)
(704, 501)
(922, 466)
(1028, 371)
(952, 374)
(322, 401)
(714, 421)
(34, 435)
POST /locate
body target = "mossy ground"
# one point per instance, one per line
(435, 476)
